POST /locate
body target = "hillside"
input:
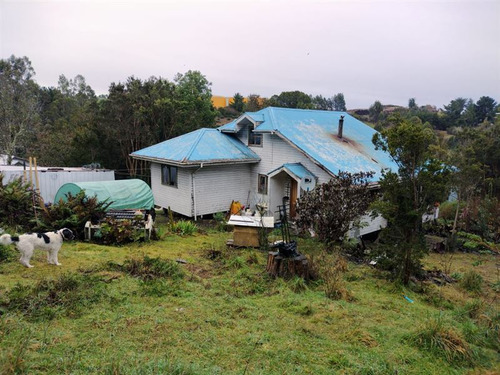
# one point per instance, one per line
(220, 314)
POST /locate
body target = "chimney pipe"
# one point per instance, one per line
(341, 126)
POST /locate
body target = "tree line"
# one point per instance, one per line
(70, 125)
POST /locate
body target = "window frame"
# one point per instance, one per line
(253, 136)
(167, 180)
(263, 191)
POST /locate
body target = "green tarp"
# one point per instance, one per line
(123, 193)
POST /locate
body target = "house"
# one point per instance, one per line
(261, 156)
(4, 160)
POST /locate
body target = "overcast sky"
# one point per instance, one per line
(368, 50)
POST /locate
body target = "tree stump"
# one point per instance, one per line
(287, 267)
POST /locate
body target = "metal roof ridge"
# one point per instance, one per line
(307, 109)
(195, 143)
(273, 119)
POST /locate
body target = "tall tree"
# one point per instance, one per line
(453, 112)
(376, 110)
(469, 115)
(339, 102)
(406, 194)
(320, 102)
(193, 102)
(67, 113)
(292, 99)
(19, 108)
(486, 109)
(412, 104)
(238, 103)
(254, 103)
(139, 113)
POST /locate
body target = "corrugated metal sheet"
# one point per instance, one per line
(51, 179)
(297, 169)
(315, 133)
(200, 146)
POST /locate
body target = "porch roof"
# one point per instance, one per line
(295, 169)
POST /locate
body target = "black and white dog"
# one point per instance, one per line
(49, 241)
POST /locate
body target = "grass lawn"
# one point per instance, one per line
(225, 316)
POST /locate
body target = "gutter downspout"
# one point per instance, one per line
(194, 189)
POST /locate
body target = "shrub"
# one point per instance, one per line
(72, 214)
(472, 281)
(67, 295)
(118, 232)
(17, 204)
(184, 227)
(330, 208)
(447, 210)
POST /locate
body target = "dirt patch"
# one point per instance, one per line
(201, 272)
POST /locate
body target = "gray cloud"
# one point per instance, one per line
(387, 51)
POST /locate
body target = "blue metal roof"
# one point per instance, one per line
(315, 133)
(297, 169)
(200, 146)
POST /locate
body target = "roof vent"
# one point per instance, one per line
(341, 126)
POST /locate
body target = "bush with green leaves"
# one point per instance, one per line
(119, 232)
(184, 227)
(330, 208)
(17, 204)
(72, 213)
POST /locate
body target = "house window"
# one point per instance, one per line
(169, 175)
(254, 139)
(262, 185)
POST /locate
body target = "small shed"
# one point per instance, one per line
(123, 194)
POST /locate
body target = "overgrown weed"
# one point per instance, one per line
(68, 295)
(330, 269)
(444, 341)
(297, 284)
(7, 254)
(184, 228)
(472, 282)
(149, 268)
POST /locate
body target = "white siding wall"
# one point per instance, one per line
(372, 225)
(274, 153)
(177, 198)
(218, 186)
(51, 181)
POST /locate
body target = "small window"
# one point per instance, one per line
(254, 139)
(169, 175)
(262, 187)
